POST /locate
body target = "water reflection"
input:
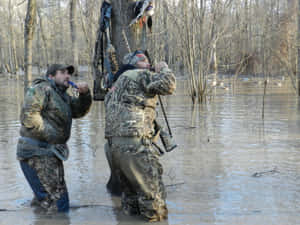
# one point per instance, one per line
(60, 219)
(208, 177)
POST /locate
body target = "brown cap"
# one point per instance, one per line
(52, 69)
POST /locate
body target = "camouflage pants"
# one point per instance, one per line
(45, 175)
(136, 167)
(114, 184)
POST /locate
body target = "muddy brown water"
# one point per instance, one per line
(230, 167)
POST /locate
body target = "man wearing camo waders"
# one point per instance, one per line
(46, 121)
(129, 128)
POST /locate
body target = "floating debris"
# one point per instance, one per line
(259, 174)
(177, 184)
(185, 127)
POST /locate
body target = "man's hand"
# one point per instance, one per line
(82, 87)
(159, 66)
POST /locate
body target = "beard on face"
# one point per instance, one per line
(61, 85)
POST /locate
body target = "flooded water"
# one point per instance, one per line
(231, 167)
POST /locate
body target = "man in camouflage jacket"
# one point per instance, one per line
(129, 128)
(46, 121)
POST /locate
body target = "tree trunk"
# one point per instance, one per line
(30, 21)
(123, 39)
(73, 28)
(43, 35)
(60, 56)
(38, 53)
(122, 15)
(166, 36)
(298, 46)
(13, 58)
(2, 62)
(86, 20)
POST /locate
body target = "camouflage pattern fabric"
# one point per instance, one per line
(130, 104)
(139, 175)
(46, 116)
(45, 175)
(130, 114)
(47, 112)
(113, 185)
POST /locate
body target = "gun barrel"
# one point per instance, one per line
(165, 115)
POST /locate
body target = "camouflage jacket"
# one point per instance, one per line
(47, 112)
(131, 102)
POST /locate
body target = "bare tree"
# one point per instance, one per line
(60, 38)
(298, 46)
(43, 36)
(123, 36)
(12, 42)
(122, 16)
(73, 28)
(86, 20)
(28, 37)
